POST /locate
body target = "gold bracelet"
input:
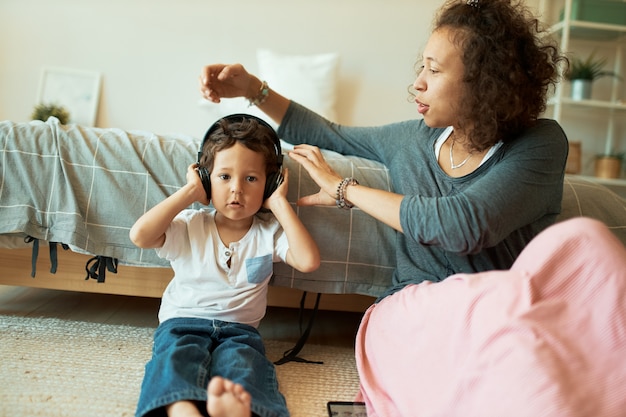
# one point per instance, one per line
(261, 96)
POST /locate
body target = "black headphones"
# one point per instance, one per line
(272, 181)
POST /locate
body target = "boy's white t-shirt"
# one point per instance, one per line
(204, 286)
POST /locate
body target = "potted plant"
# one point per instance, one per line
(582, 73)
(44, 111)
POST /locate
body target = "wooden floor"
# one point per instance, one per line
(330, 328)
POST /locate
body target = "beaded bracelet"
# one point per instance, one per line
(261, 96)
(340, 200)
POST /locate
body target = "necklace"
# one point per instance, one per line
(459, 165)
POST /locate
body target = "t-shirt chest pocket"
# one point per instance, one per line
(259, 268)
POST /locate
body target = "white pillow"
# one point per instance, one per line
(310, 80)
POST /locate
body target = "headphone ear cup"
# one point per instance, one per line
(205, 178)
(271, 183)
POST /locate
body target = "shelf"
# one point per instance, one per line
(584, 118)
(591, 30)
(601, 104)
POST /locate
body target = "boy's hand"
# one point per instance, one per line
(280, 194)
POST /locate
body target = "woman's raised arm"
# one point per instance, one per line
(218, 81)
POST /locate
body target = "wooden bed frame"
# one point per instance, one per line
(15, 270)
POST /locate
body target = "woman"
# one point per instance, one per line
(476, 177)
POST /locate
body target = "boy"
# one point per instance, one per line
(222, 260)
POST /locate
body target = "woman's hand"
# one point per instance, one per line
(195, 184)
(311, 159)
(218, 81)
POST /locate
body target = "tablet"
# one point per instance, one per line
(346, 409)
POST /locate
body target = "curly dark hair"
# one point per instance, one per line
(247, 131)
(511, 64)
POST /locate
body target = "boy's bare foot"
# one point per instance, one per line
(227, 399)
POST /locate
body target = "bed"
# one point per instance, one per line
(74, 192)
(69, 195)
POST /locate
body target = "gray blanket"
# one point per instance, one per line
(85, 187)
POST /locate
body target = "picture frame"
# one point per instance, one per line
(346, 409)
(78, 91)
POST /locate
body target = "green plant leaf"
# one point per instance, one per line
(588, 69)
(44, 111)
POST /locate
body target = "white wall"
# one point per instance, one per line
(150, 52)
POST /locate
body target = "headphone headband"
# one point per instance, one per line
(240, 117)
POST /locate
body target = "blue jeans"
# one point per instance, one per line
(187, 352)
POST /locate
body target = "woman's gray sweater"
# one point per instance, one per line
(477, 222)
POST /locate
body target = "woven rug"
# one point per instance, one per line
(53, 367)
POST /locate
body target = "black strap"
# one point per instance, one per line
(290, 355)
(33, 258)
(100, 265)
(53, 255)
